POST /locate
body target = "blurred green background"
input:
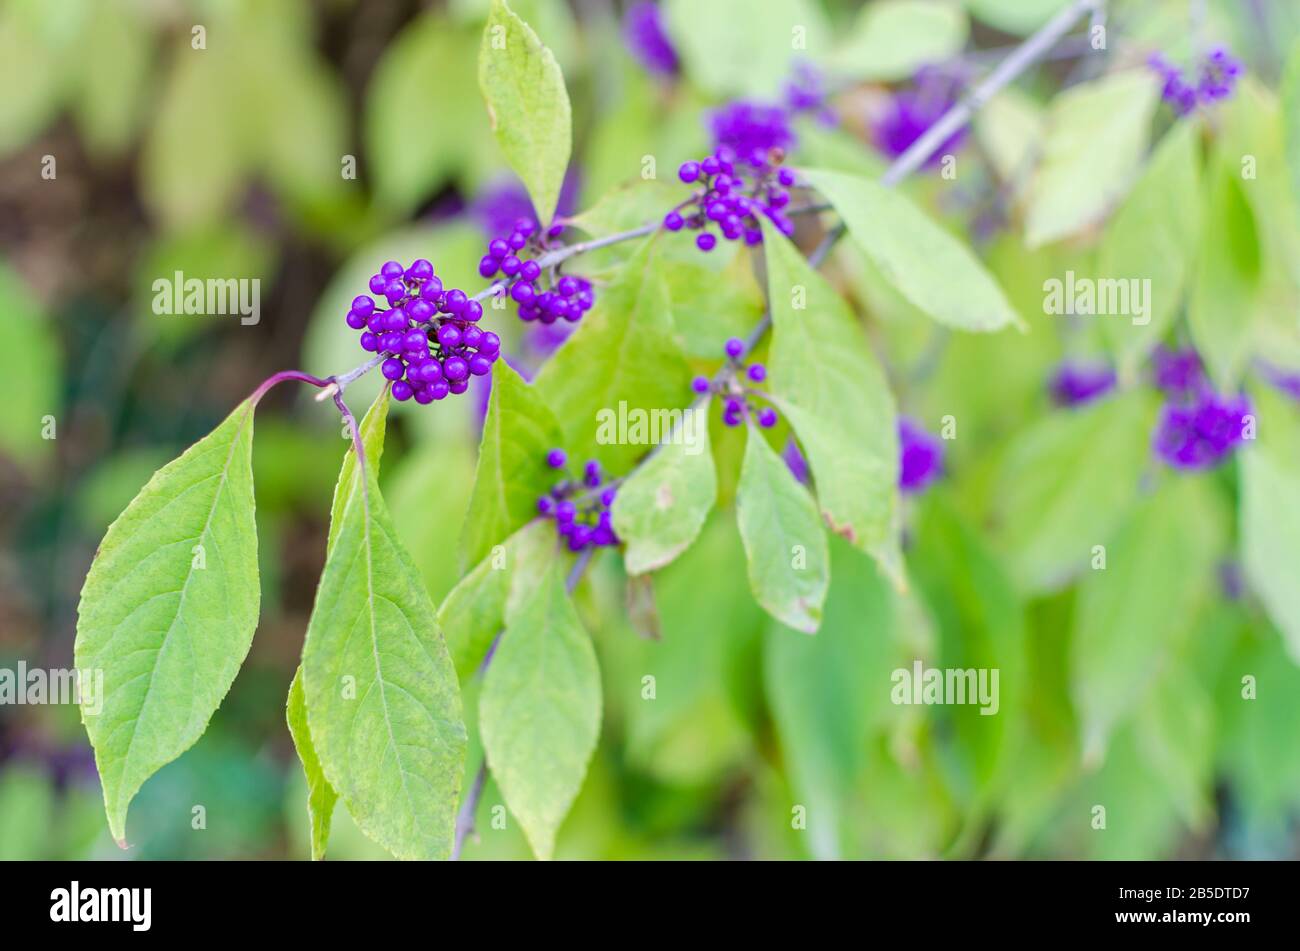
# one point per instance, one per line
(229, 161)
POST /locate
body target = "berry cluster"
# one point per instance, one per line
(911, 112)
(920, 456)
(1216, 80)
(430, 333)
(723, 200)
(542, 296)
(1198, 428)
(737, 394)
(1074, 384)
(580, 507)
(752, 132)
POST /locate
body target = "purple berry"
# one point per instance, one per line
(701, 384)
(767, 417)
(498, 248)
(363, 305)
(673, 221)
(448, 335)
(735, 347)
(369, 342)
(419, 311)
(472, 312)
(392, 269)
(556, 458)
(402, 391)
(440, 390)
(456, 301)
(705, 241)
(517, 241)
(510, 265)
(457, 387)
(355, 321)
(455, 369)
(377, 283)
(393, 368)
(758, 373)
(420, 270)
(689, 172)
(480, 365)
(487, 266)
(522, 292)
(567, 286)
(430, 372)
(415, 340)
(490, 343)
(565, 511)
(424, 396)
(530, 270)
(544, 505)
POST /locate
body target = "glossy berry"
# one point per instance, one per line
(556, 458)
(735, 347)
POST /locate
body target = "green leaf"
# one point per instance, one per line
(1270, 534)
(1291, 123)
(1020, 17)
(892, 39)
(195, 156)
(1131, 615)
(621, 363)
(115, 62)
(927, 265)
(1154, 238)
(828, 694)
(512, 472)
(1053, 507)
(30, 362)
(321, 796)
(383, 704)
(1096, 135)
(474, 612)
(528, 105)
(1225, 302)
(821, 366)
(421, 73)
(980, 626)
(744, 47)
(540, 711)
(662, 506)
(1009, 128)
(785, 545)
(168, 610)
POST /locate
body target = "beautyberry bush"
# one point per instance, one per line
(894, 360)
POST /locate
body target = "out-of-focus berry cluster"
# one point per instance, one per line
(738, 396)
(429, 332)
(1198, 428)
(911, 112)
(1074, 384)
(580, 507)
(731, 203)
(920, 456)
(1216, 79)
(543, 296)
